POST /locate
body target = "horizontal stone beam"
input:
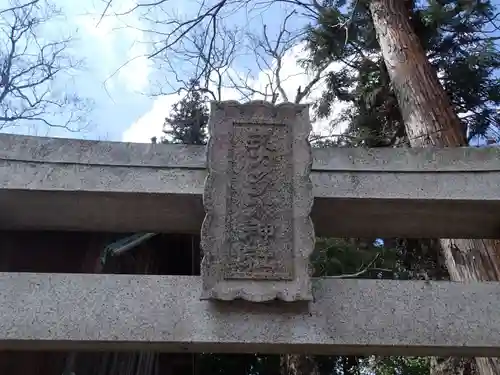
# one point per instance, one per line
(164, 313)
(62, 184)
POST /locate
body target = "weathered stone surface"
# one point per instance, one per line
(164, 313)
(257, 235)
(61, 184)
(60, 151)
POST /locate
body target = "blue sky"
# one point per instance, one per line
(122, 100)
(122, 109)
(115, 106)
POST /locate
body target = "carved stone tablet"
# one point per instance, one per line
(257, 235)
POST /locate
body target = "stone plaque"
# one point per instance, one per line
(257, 235)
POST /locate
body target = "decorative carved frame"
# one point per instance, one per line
(214, 232)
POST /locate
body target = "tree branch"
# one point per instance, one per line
(29, 68)
(366, 269)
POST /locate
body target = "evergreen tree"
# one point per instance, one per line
(188, 120)
(457, 38)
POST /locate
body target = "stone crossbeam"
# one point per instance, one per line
(62, 184)
(165, 313)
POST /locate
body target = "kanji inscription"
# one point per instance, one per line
(257, 235)
(260, 203)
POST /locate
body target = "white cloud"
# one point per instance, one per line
(151, 123)
(121, 46)
(293, 76)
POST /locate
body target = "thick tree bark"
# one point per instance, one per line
(294, 364)
(431, 121)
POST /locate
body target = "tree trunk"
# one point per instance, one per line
(431, 121)
(455, 366)
(294, 364)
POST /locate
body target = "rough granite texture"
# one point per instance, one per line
(75, 151)
(164, 313)
(60, 184)
(257, 235)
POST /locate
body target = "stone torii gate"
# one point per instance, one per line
(260, 187)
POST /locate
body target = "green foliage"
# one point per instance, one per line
(363, 258)
(188, 120)
(401, 366)
(238, 364)
(451, 34)
(458, 39)
(372, 259)
(331, 257)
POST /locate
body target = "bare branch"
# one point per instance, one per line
(202, 48)
(277, 52)
(209, 17)
(301, 94)
(29, 66)
(17, 7)
(104, 12)
(208, 68)
(366, 269)
(191, 25)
